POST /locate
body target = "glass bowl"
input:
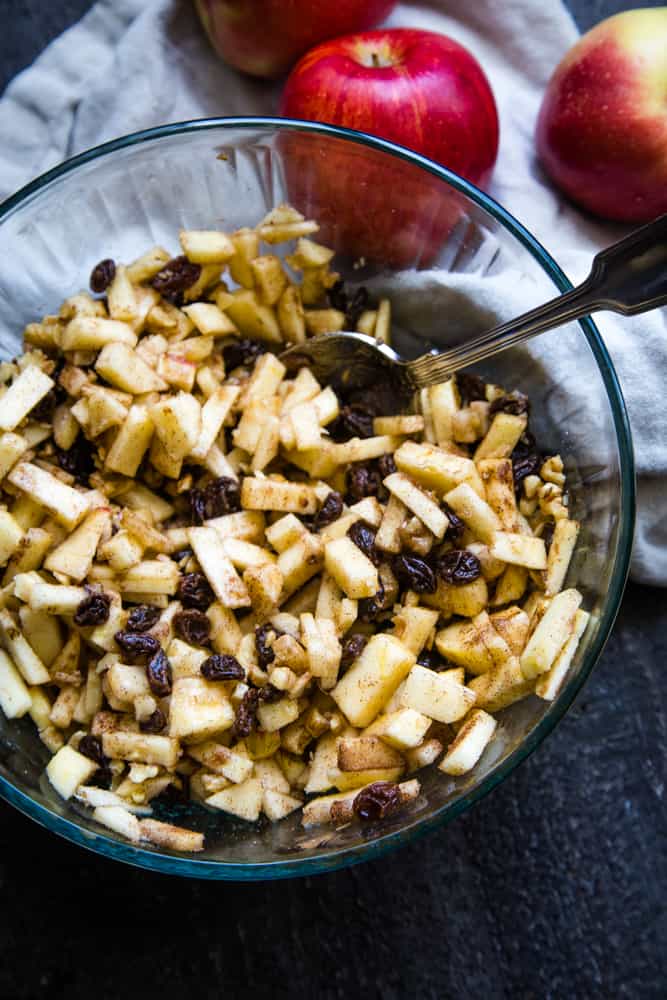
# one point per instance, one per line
(122, 197)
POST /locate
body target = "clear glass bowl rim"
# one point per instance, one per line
(191, 867)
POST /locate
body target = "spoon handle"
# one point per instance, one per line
(629, 277)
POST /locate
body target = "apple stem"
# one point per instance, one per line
(375, 59)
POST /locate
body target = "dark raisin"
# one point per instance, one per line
(135, 645)
(193, 626)
(415, 573)
(352, 647)
(526, 445)
(386, 465)
(194, 591)
(370, 608)
(222, 667)
(363, 537)
(269, 693)
(93, 609)
(246, 714)
(102, 275)
(377, 801)
(159, 676)
(155, 723)
(337, 295)
(527, 465)
(548, 534)
(77, 460)
(182, 554)
(242, 353)
(355, 420)
(220, 496)
(265, 654)
(352, 304)
(329, 512)
(362, 481)
(456, 527)
(470, 386)
(175, 277)
(512, 402)
(91, 746)
(44, 409)
(143, 617)
(459, 567)
(432, 659)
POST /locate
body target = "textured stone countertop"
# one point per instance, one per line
(553, 886)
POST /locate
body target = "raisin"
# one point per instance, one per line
(77, 460)
(194, 591)
(370, 608)
(242, 353)
(220, 496)
(265, 654)
(363, 537)
(377, 801)
(176, 276)
(415, 573)
(143, 617)
(330, 511)
(222, 667)
(193, 626)
(135, 645)
(386, 465)
(512, 402)
(352, 648)
(159, 676)
(362, 481)
(528, 465)
(432, 659)
(246, 714)
(102, 778)
(459, 567)
(102, 275)
(44, 409)
(93, 609)
(456, 527)
(155, 723)
(470, 386)
(355, 420)
(91, 747)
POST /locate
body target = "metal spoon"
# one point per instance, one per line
(628, 277)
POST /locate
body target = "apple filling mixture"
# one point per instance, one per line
(225, 582)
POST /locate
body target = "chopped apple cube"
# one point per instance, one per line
(68, 769)
(435, 695)
(372, 679)
(553, 631)
(469, 743)
(352, 570)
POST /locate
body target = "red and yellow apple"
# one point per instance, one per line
(416, 88)
(266, 37)
(602, 128)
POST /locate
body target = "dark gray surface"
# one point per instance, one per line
(552, 887)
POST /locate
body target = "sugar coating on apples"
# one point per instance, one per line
(227, 582)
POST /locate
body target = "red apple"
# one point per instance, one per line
(416, 88)
(266, 37)
(602, 128)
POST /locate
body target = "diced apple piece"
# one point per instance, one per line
(275, 715)
(11, 534)
(227, 585)
(423, 755)
(91, 333)
(435, 695)
(143, 748)
(21, 653)
(436, 469)
(284, 532)
(513, 625)
(120, 820)
(68, 769)
(152, 576)
(322, 647)
(498, 480)
(387, 537)
(413, 626)
(15, 698)
(253, 318)
(469, 743)
(65, 503)
(520, 550)
(474, 512)
(345, 780)
(206, 246)
(503, 685)
(548, 684)
(75, 555)
(419, 502)
(352, 570)
(466, 599)
(372, 679)
(403, 729)
(502, 436)
(244, 800)
(299, 563)
(23, 394)
(366, 753)
(560, 553)
(553, 631)
(122, 367)
(269, 494)
(176, 838)
(277, 805)
(199, 709)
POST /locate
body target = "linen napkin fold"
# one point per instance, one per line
(129, 65)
